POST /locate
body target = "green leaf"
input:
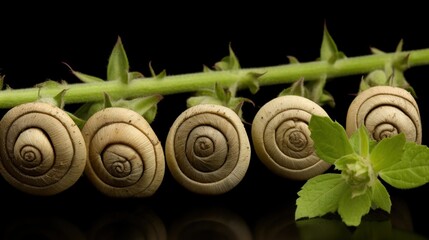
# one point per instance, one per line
(351, 209)
(328, 50)
(220, 92)
(400, 46)
(206, 69)
(401, 61)
(320, 195)
(411, 171)
(107, 101)
(316, 88)
(85, 110)
(250, 79)
(193, 101)
(327, 98)
(296, 88)
(78, 121)
(229, 62)
(57, 100)
(144, 104)
(363, 85)
(48, 84)
(361, 142)
(380, 197)
(161, 75)
(135, 75)
(376, 51)
(236, 105)
(292, 60)
(387, 152)
(341, 163)
(150, 114)
(376, 78)
(84, 77)
(118, 66)
(330, 139)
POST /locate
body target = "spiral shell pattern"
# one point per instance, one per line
(385, 111)
(125, 157)
(281, 137)
(42, 150)
(207, 149)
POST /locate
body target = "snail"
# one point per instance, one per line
(281, 137)
(207, 149)
(125, 157)
(385, 111)
(42, 150)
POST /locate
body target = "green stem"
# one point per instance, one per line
(282, 74)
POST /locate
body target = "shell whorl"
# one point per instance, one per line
(42, 150)
(125, 157)
(281, 137)
(207, 149)
(385, 111)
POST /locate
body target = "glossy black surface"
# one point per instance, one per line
(262, 206)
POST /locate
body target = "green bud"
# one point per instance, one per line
(357, 171)
(358, 176)
(376, 78)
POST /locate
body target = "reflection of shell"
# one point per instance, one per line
(210, 223)
(42, 150)
(125, 157)
(126, 225)
(40, 227)
(281, 137)
(277, 223)
(207, 149)
(385, 111)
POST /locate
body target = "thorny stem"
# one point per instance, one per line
(174, 84)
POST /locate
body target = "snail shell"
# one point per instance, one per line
(385, 111)
(207, 149)
(281, 137)
(125, 157)
(42, 150)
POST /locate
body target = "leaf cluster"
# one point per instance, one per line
(364, 166)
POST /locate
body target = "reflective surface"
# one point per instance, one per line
(251, 211)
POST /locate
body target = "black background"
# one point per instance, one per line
(181, 39)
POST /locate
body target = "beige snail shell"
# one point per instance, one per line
(42, 150)
(207, 149)
(385, 111)
(281, 137)
(125, 157)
